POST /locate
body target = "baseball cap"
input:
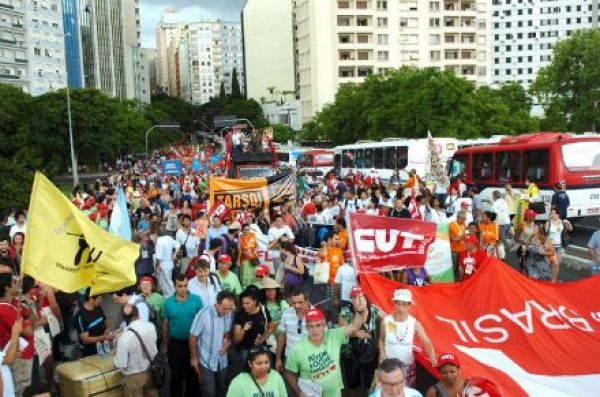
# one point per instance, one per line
(147, 278)
(224, 258)
(314, 315)
(530, 214)
(472, 240)
(356, 291)
(464, 204)
(447, 358)
(262, 270)
(403, 295)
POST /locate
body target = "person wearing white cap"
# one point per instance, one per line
(397, 335)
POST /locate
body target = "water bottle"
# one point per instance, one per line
(107, 347)
(99, 349)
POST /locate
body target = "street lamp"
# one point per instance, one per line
(158, 126)
(74, 165)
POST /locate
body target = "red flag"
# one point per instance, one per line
(529, 337)
(413, 208)
(382, 244)
(218, 209)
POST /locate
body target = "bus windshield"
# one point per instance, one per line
(582, 156)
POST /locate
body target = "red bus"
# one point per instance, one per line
(316, 159)
(544, 158)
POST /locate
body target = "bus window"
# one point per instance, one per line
(536, 165)
(582, 156)
(458, 166)
(284, 157)
(401, 157)
(389, 154)
(359, 159)
(378, 158)
(337, 161)
(482, 166)
(348, 158)
(368, 158)
(508, 167)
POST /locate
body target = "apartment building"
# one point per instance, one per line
(526, 31)
(147, 73)
(345, 41)
(206, 56)
(166, 30)
(14, 57)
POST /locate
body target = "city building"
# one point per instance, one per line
(14, 60)
(73, 63)
(147, 75)
(130, 11)
(207, 54)
(344, 41)
(166, 30)
(526, 31)
(45, 46)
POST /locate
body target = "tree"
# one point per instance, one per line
(236, 92)
(569, 88)
(222, 90)
(282, 133)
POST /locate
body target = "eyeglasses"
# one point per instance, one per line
(395, 384)
(299, 330)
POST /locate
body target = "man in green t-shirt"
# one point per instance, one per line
(229, 281)
(314, 362)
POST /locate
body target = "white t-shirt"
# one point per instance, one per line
(500, 207)
(165, 245)
(468, 208)
(208, 293)
(346, 277)
(14, 229)
(7, 379)
(408, 392)
(192, 244)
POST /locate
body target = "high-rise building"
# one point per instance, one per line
(131, 48)
(525, 32)
(166, 30)
(147, 73)
(207, 54)
(14, 59)
(73, 64)
(268, 25)
(345, 41)
(45, 46)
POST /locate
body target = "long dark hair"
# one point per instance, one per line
(278, 297)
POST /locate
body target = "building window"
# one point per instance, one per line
(382, 56)
(382, 39)
(382, 22)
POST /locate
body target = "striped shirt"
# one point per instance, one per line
(290, 324)
(210, 329)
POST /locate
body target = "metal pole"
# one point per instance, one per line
(147, 132)
(73, 159)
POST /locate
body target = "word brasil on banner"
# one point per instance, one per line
(531, 338)
(383, 244)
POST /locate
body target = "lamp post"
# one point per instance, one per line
(74, 165)
(158, 126)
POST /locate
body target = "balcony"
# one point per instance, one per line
(467, 22)
(345, 38)
(346, 56)
(453, 54)
(343, 4)
(8, 41)
(346, 72)
(450, 22)
(362, 5)
(363, 71)
(364, 39)
(466, 54)
(7, 6)
(363, 21)
(467, 38)
(344, 21)
(8, 76)
(450, 38)
(20, 60)
(468, 70)
(451, 5)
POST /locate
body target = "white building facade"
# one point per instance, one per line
(166, 30)
(206, 56)
(345, 41)
(526, 31)
(14, 57)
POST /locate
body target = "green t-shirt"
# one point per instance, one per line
(243, 386)
(156, 302)
(321, 364)
(277, 310)
(230, 283)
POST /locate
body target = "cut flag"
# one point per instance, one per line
(119, 220)
(67, 251)
(530, 338)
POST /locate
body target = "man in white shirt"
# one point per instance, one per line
(165, 253)
(345, 279)
(20, 225)
(292, 326)
(390, 380)
(278, 230)
(130, 356)
(127, 296)
(205, 285)
(500, 207)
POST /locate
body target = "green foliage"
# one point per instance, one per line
(312, 131)
(569, 88)
(241, 108)
(236, 92)
(222, 90)
(408, 102)
(282, 133)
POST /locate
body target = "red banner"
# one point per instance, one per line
(531, 338)
(382, 244)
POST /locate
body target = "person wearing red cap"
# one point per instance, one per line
(470, 260)
(451, 382)
(229, 281)
(360, 355)
(155, 300)
(314, 362)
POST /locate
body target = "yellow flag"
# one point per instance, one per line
(66, 250)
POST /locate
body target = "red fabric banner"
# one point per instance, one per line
(382, 244)
(531, 338)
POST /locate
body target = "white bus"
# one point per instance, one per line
(389, 155)
(287, 156)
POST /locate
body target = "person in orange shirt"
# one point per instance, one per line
(457, 235)
(413, 180)
(249, 255)
(489, 233)
(342, 233)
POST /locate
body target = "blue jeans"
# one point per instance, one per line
(504, 230)
(213, 383)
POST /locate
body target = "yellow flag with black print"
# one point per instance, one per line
(66, 250)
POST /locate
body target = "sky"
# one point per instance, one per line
(188, 11)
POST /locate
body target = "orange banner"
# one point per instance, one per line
(531, 338)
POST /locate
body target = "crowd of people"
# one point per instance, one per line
(234, 302)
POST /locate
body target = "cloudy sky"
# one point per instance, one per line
(188, 11)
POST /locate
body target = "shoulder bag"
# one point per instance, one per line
(158, 364)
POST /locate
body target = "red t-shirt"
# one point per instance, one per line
(470, 263)
(8, 317)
